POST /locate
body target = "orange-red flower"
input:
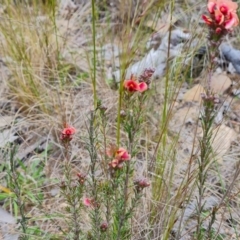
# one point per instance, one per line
(222, 15)
(122, 154)
(207, 19)
(132, 85)
(119, 156)
(115, 163)
(118, 153)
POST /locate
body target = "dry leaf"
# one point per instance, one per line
(235, 105)
(222, 139)
(194, 94)
(4, 189)
(220, 83)
(184, 123)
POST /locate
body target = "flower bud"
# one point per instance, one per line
(141, 183)
(104, 226)
(81, 177)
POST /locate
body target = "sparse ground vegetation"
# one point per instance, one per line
(119, 120)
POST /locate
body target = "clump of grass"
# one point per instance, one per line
(32, 48)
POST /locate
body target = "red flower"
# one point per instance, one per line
(222, 15)
(231, 21)
(132, 85)
(87, 202)
(67, 133)
(142, 87)
(90, 203)
(222, 5)
(207, 19)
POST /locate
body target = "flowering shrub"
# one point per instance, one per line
(223, 15)
(222, 19)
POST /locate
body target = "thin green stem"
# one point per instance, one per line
(166, 93)
(119, 111)
(94, 54)
(205, 142)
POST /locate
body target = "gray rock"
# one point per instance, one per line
(157, 57)
(7, 223)
(231, 54)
